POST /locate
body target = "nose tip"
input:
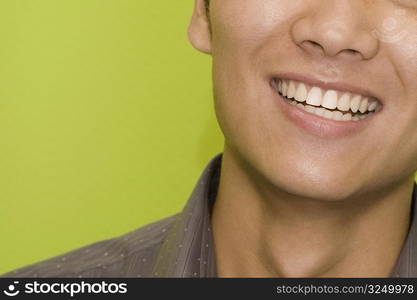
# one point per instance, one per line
(344, 37)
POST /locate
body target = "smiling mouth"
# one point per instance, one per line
(329, 104)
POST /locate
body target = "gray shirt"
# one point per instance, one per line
(177, 246)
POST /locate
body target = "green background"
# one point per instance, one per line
(106, 121)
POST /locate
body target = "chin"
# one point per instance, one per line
(315, 183)
(319, 192)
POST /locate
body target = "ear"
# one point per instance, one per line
(199, 33)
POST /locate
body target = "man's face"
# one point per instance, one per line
(329, 53)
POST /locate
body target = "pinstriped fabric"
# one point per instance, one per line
(130, 255)
(188, 251)
(407, 262)
(177, 246)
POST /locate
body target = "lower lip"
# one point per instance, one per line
(319, 126)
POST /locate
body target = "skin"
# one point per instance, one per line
(293, 204)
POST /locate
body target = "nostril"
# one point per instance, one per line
(312, 46)
(314, 43)
(351, 52)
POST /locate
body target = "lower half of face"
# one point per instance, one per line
(317, 113)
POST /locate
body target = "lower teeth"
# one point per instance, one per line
(327, 114)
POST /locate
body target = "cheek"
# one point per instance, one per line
(244, 24)
(244, 118)
(398, 32)
(404, 55)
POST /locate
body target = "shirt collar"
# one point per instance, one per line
(406, 265)
(188, 249)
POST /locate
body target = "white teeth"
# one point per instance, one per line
(301, 94)
(355, 102)
(330, 100)
(364, 105)
(291, 89)
(284, 88)
(319, 100)
(337, 115)
(310, 108)
(347, 117)
(328, 114)
(320, 111)
(344, 102)
(372, 106)
(314, 97)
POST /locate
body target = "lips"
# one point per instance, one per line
(327, 103)
(323, 109)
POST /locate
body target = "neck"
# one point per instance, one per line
(262, 231)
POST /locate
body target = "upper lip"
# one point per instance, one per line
(336, 85)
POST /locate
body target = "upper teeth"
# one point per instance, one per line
(330, 99)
